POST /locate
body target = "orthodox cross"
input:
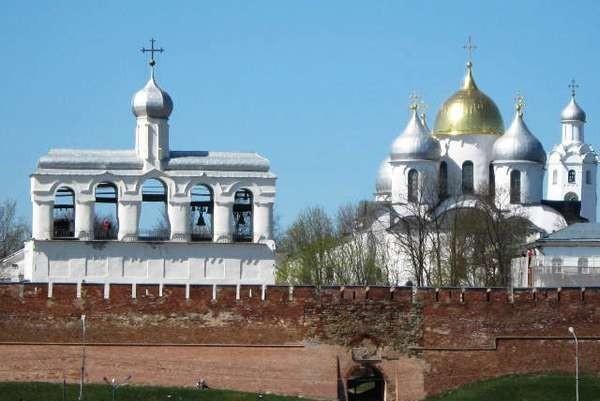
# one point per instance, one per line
(152, 50)
(519, 103)
(469, 47)
(573, 87)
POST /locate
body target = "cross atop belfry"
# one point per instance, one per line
(152, 50)
(573, 86)
(469, 47)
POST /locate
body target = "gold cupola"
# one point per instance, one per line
(468, 111)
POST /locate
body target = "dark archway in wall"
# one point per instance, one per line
(365, 383)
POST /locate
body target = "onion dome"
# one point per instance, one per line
(468, 111)
(518, 143)
(415, 142)
(572, 112)
(383, 185)
(151, 101)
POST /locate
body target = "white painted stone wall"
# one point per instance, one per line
(139, 262)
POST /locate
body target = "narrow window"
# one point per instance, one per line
(243, 216)
(443, 181)
(571, 176)
(106, 224)
(588, 177)
(413, 185)
(515, 186)
(64, 214)
(554, 177)
(556, 265)
(492, 181)
(154, 220)
(201, 209)
(467, 178)
(582, 266)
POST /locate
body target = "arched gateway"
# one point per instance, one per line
(365, 383)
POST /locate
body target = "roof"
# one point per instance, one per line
(578, 232)
(570, 210)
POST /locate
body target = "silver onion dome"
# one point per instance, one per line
(518, 143)
(383, 185)
(572, 112)
(415, 142)
(151, 101)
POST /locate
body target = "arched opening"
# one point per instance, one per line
(467, 178)
(106, 223)
(492, 180)
(201, 209)
(242, 216)
(443, 181)
(413, 185)
(365, 383)
(571, 197)
(588, 177)
(554, 177)
(154, 219)
(515, 186)
(571, 176)
(64, 214)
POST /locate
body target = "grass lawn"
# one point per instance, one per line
(552, 387)
(96, 392)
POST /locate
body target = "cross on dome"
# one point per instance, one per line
(152, 50)
(414, 100)
(573, 86)
(469, 47)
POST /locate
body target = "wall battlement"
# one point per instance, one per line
(256, 294)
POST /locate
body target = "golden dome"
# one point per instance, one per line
(469, 111)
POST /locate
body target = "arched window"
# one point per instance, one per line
(492, 180)
(556, 265)
(554, 177)
(443, 181)
(515, 186)
(571, 197)
(64, 214)
(243, 216)
(154, 219)
(413, 185)
(588, 177)
(571, 176)
(106, 224)
(201, 209)
(467, 178)
(582, 266)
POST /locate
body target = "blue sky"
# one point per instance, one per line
(318, 87)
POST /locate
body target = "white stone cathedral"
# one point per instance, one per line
(470, 153)
(218, 209)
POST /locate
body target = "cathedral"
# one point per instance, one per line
(469, 153)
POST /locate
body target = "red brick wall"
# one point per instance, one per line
(295, 342)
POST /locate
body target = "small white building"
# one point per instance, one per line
(566, 258)
(218, 210)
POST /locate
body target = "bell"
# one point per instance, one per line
(241, 220)
(201, 221)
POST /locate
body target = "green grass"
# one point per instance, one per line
(551, 387)
(33, 391)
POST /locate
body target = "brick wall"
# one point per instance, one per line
(293, 340)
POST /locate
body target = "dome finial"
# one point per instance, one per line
(573, 86)
(414, 101)
(152, 50)
(519, 104)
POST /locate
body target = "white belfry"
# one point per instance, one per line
(218, 208)
(572, 164)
